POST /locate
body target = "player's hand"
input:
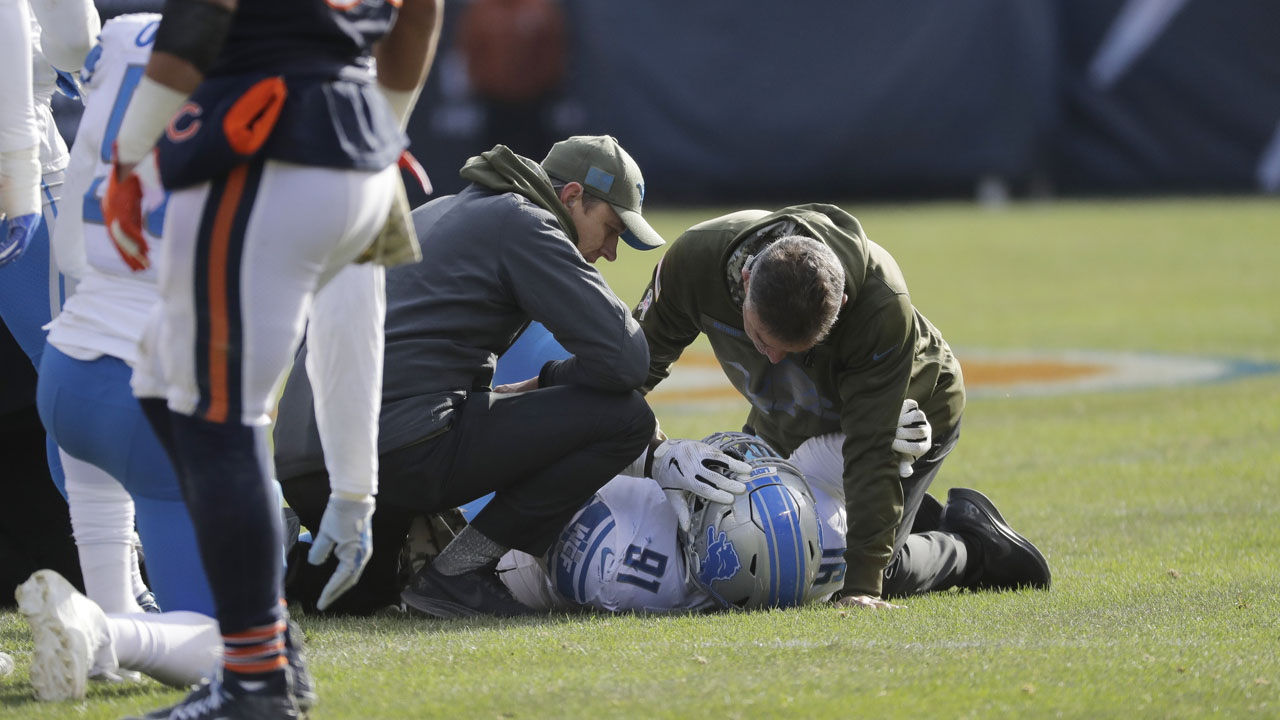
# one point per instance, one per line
(346, 530)
(679, 502)
(68, 84)
(518, 387)
(122, 213)
(914, 436)
(866, 602)
(698, 468)
(16, 234)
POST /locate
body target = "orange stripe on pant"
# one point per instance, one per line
(219, 247)
(265, 666)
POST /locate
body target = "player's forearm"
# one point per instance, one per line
(405, 55)
(187, 42)
(68, 31)
(873, 498)
(17, 118)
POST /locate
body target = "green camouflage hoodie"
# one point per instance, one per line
(880, 351)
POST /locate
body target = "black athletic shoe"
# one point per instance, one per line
(479, 592)
(1008, 560)
(929, 516)
(304, 687)
(213, 701)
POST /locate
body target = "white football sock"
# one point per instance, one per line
(102, 522)
(178, 648)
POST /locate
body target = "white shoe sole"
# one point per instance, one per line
(63, 651)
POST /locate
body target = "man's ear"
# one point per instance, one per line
(571, 192)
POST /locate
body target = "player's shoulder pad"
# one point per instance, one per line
(130, 31)
(127, 38)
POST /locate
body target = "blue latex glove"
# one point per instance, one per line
(16, 234)
(346, 530)
(67, 84)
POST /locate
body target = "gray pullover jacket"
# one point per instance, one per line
(497, 255)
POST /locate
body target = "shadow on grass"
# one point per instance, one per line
(16, 694)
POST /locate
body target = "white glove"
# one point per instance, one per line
(679, 502)
(914, 436)
(692, 466)
(345, 529)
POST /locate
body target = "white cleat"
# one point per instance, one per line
(6, 664)
(71, 637)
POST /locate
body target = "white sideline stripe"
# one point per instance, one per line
(1136, 28)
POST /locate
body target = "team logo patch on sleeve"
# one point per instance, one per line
(643, 307)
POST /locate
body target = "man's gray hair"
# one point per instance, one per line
(796, 288)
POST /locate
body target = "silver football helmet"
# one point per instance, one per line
(764, 549)
(740, 446)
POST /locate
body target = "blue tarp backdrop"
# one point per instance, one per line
(753, 101)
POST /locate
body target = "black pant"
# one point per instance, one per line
(924, 561)
(543, 453)
(35, 525)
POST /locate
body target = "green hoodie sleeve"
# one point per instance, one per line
(667, 310)
(872, 387)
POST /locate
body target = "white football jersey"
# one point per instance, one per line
(620, 552)
(821, 460)
(109, 310)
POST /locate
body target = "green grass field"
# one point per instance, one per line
(1156, 508)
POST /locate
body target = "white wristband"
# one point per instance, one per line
(20, 181)
(401, 102)
(152, 106)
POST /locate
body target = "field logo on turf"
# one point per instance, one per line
(698, 381)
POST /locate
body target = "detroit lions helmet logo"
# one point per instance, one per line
(721, 562)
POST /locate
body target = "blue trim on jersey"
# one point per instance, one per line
(49, 199)
(591, 553)
(578, 544)
(129, 83)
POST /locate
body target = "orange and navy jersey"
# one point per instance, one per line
(303, 36)
(294, 82)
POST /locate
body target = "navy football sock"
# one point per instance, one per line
(236, 515)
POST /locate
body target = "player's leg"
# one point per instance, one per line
(261, 241)
(543, 452)
(921, 562)
(102, 521)
(74, 640)
(90, 408)
(974, 547)
(30, 291)
(380, 584)
(935, 560)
